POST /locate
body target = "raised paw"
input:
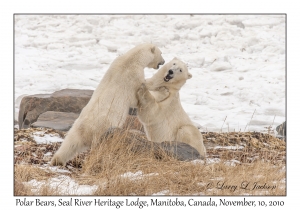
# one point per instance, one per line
(141, 91)
(161, 93)
(163, 89)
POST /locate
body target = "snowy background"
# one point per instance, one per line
(237, 61)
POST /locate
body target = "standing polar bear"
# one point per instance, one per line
(110, 102)
(166, 120)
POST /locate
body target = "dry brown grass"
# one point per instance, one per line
(113, 159)
(261, 161)
(26, 173)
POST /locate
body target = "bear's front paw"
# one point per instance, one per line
(163, 93)
(56, 161)
(163, 90)
(141, 91)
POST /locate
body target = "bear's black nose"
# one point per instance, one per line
(170, 71)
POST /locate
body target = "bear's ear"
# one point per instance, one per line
(175, 58)
(190, 75)
(153, 49)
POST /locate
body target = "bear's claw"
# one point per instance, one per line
(56, 162)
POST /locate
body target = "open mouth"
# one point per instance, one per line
(168, 77)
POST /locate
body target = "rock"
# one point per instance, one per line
(62, 121)
(140, 144)
(61, 109)
(19, 99)
(66, 100)
(181, 151)
(281, 129)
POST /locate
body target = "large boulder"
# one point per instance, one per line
(61, 121)
(140, 144)
(66, 100)
(281, 129)
(60, 109)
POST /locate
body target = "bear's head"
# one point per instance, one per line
(157, 58)
(172, 75)
(176, 71)
(146, 55)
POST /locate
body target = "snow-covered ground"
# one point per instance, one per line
(63, 184)
(42, 138)
(237, 61)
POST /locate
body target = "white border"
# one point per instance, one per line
(153, 6)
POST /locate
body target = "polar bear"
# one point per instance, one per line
(110, 102)
(166, 120)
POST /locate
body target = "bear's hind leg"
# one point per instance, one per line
(191, 135)
(72, 145)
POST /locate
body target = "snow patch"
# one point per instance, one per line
(137, 175)
(246, 53)
(229, 147)
(164, 192)
(62, 184)
(41, 138)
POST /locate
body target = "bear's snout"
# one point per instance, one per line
(161, 63)
(169, 76)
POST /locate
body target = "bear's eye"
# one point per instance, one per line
(173, 63)
(180, 70)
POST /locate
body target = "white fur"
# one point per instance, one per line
(166, 120)
(110, 102)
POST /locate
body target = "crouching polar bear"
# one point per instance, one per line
(110, 102)
(166, 120)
